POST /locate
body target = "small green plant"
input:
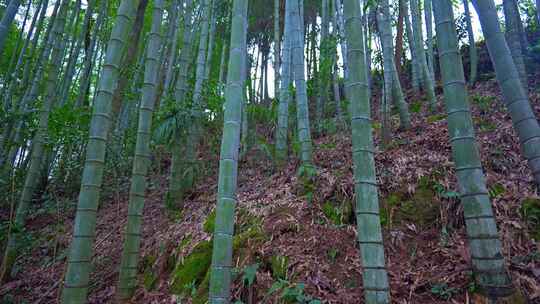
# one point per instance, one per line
(268, 149)
(445, 193)
(250, 274)
(484, 103)
(443, 291)
(280, 266)
(192, 287)
(496, 190)
(328, 146)
(332, 254)
(332, 213)
(291, 292)
(306, 176)
(435, 118)
(530, 210)
(484, 125)
(415, 107)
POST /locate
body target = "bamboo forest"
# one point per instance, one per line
(270, 151)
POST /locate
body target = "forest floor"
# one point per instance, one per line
(307, 238)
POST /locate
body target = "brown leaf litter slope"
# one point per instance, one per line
(427, 257)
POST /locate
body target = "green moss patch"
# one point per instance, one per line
(192, 269)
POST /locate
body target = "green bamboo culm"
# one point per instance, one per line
(7, 20)
(302, 109)
(220, 278)
(473, 52)
(393, 86)
(512, 24)
(195, 130)
(428, 17)
(325, 66)
(415, 70)
(375, 278)
(425, 75)
(39, 141)
(284, 97)
(132, 236)
(177, 184)
(485, 246)
(76, 280)
(514, 95)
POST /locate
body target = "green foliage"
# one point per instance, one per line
(496, 190)
(332, 213)
(339, 215)
(262, 114)
(415, 107)
(435, 118)
(484, 103)
(530, 211)
(279, 265)
(250, 274)
(306, 175)
(332, 254)
(210, 222)
(291, 292)
(443, 192)
(192, 269)
(172, 122)
(443, 291)
(328, 146)
(484, 125)
(329, 126)
(421, 208)
(268, 149)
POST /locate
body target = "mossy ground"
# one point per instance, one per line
(191, 275)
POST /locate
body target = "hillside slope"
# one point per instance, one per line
(296, 234)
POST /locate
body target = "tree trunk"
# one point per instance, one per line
(473, 53)
(485, 246)
(211, 38)
(515, 96)
(428, 15)
(38, 145)
(392, 85)
(284, 96)
(302, 109)
(512, 24)
(375, 278)
(427, 81)
(277, 47)
(177, 188)
(129, 60)
(399, 37)
(76, 281)
(7, 20)
(127, 281)
(220, 277)
(415, 73)
(195, 129)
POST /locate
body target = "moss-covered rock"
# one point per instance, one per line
(192, 269)
(421, 208)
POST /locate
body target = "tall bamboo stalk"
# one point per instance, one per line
(220, 278)
(375, 278)
(76, 280)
